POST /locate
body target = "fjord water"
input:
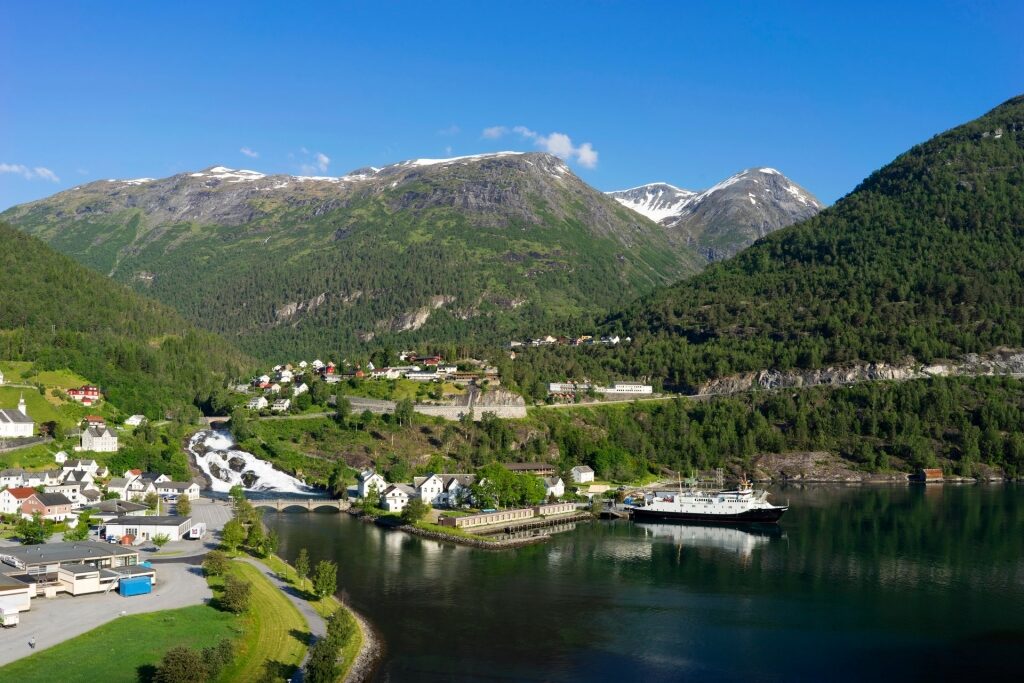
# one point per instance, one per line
(916, 583)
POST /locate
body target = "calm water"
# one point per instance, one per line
(909, 583)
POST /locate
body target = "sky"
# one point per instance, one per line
(628, 92)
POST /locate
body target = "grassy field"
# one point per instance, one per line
(120, 650)
(325, 607)
(38, 457)
(60, 379)
(275, 636)
(15, 370)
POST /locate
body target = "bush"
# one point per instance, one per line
(216, 563)
(322, 666)
(414, 511)
(237, 594)
(181, 665)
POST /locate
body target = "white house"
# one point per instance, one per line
(16, 423)
(396, 497)
(135, 420)
(554, 486)
(257, 403)
(178, 489)
(82, 465)
(99, 440)
(12, 498)
(581, 474)
(60, 457)
(429, 489)
(300, 389)
(444, 489)
(274, 388)
(146, 528)
(139, 488)
(119, 485)
(71, 491)
(368, 480)
(281, 405)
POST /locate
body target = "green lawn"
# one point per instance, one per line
(15, 370)
(115, 651)
(38, 457)
(275, 634)
(61, 379)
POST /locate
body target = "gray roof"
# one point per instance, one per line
(9, 582)
(97, 432)
(51, 499)
(79, 568)
(582, 468)
(48, 553)
(552, 481)
(150, 520)
(179, 485)
(117, 483)
(14, 417)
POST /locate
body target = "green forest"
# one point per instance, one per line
(144, 356)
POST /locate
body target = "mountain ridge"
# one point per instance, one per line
(727, 217)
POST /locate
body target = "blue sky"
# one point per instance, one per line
(682, 92)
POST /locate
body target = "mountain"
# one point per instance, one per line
(722, 220)
(144, 356)
(434, 250)
(924, 259)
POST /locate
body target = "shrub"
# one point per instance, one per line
(216, 563)
(237, 593)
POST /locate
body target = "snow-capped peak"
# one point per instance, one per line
(469, 157)
(656, 201)
(229, 174)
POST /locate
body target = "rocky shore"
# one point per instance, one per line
(822, 467)
(371, 651)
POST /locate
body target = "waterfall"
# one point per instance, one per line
(226, 466)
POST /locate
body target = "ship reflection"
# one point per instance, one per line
(737, 540)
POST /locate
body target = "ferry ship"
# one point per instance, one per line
(741, 506)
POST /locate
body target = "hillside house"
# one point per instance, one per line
(541, 469)
(83, 465)
(396, 497)
(60, 457)
(99, 440)
(300, 389)
(281, 405)
(87, 395)
(12, 498)
(626, 388)
(119, 485)
(15, 424)
(257, 403)
(72, 491)
(52, 506)
(94, 421)
(135, 421)
(444, 489)
(582, 474)
(368, 480)
(554, 486)
(178, 489)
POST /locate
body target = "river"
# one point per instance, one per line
(893, 582)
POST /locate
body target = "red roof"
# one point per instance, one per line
(22, 492)
(94, 418)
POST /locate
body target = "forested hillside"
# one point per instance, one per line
(924, 259)
(143, 355)
(425, 250)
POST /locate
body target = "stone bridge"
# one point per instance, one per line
(301, 504)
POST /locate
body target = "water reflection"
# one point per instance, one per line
(858, 583)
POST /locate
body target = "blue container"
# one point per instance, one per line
(136, 585)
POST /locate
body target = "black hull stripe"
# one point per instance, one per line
(765, 516)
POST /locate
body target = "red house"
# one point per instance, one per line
(86, 395)
(55, 506)
(95, 421)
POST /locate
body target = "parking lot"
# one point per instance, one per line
(52, 621)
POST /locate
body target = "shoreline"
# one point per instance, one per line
(371, 648)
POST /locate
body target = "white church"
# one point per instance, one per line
(16, 423)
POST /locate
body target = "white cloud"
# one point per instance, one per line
(36, 173)
(558, 144)
(251, 153)
(495, 132)
(448, 150)
(318, 164)
(450, 131)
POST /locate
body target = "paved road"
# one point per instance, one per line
(52, 621)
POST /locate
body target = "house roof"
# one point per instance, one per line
(528, 466)
(119, 507)
(117, 483)
(552, 481)
(177, 485)
(404, 488)
(78, 569)
(46, 553)
(51, 499)
(583, 469)
(14, 417)
(21, 492)
(154, 520)
(10, 583)
(97, 432)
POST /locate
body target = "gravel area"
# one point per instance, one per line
(52, 621)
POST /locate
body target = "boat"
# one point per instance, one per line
(743, 505)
